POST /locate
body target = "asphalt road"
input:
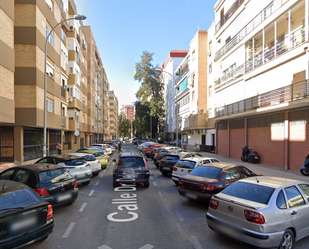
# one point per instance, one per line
(135, 218)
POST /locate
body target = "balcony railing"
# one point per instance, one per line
(228, 14)
(237, 72)
(296, 91)
(181, 76)
(265, 13)
(297, 37)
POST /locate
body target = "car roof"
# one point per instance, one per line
(130, 155)
(10, 186)
(221, 165)
(78, 154)
(64, 157)
(39, 167)
(271, 181)
(196, 159)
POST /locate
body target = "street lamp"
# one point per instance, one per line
(163, 71)
(78, 17)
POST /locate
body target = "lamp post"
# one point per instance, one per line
(163, 71)
(78, 17)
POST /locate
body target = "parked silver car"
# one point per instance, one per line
(262, 211)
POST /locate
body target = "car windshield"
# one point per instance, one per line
(55, 175)
(89, 158)
(131, 162)
(171, 157)
(17, 199)
(250, 192)
(185, 164)
(206, 171)
(75, 162)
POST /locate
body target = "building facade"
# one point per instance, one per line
(259, 66)
(74, 104)
(128, 111)
(113, 115)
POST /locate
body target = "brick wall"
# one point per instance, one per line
(223, 142)
(237, 141)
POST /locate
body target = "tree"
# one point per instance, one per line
(151, 89)
(142, 120)
(124, 125)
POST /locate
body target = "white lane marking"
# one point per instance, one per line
(104, 247)
(147, 247)
(179, 216)
(196, 243)
(151, 178)
(69, 230)
(160, 193)
(91, 193)
(82, 207)
(97, 183)
(101, 175)
(154, 184)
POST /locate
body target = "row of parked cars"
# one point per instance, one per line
(262, 211)
(28, 193)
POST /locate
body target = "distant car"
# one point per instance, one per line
(186, 154)
(142, 146)
(95, 164)
(163, 152)
(130, 168)
(99, 148)
(52, 182)
(25, 217)
(262, 211)
(173, 142)
(99, 155)
(75, 165)
(167, 163)
(155, 150)
(150, 148)
(185, 165)
(206, 180)
(105, 146)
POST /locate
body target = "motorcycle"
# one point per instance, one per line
(249, 156)
(305, 169)
(197, 147)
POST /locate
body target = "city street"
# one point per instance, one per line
(137, 218)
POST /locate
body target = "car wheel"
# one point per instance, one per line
(243, 159)
(86, 183)
(44, 238)
(287, 241)
(146, 185)
(304, 172)
(176, 182)
(164, 173)
(115, 184)
(95, 174)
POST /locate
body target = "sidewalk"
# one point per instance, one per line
(4, 166)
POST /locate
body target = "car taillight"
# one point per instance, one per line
(99, 161)
(181, 181)
(173, 162)
(50, 213)
(213, 204)
(41, 191)
(175, 169)
(75, 184)
(189, 171)
(88, 165)
(206, 187)
(254, 217)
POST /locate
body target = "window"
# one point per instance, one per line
(210, 91)
(232, 174)
(49, 4)
(49, 70)
(51, 36)
(193, 54)
(210, 68)
(210, 47)
(305, 189)
(281, 203)
(245, 172)
(7, 175)
(50, 105)
(192, 79)
(63, 35)
(294, 197)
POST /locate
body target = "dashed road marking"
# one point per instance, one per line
(91, 193)
(160, 193)
(104, 247)
(179, 216)
(69, 230)
(147, 247)
(82, 207)
(97, 183)
(155, 184)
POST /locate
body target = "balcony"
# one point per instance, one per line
(228, 14)
(252, 25)
(293, 92)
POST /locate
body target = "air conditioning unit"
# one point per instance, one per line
(70, 99)
(201, 110)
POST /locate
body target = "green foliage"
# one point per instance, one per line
(124, 125)
(151, 89)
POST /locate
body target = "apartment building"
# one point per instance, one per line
(191, 98)
(7, 68)
(259, 65)
(128, 111)
(113, 115)
(73, 101)
(167, 77)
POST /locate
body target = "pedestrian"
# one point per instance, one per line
(59, 148)
(184, 145)
(119, 147)
(179, 143)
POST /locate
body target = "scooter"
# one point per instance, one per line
(197, 147)
(249, 156)
(305, 169)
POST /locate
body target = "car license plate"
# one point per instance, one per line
(191, 196)
(256, 157)
(23, 224)
(64, 197)
(166, 168)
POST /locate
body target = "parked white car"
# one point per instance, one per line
(105, 146)
(185, 165)
(95, 164)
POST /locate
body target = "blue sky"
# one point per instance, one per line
(123, 29)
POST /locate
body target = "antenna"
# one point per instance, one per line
(257, 180)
